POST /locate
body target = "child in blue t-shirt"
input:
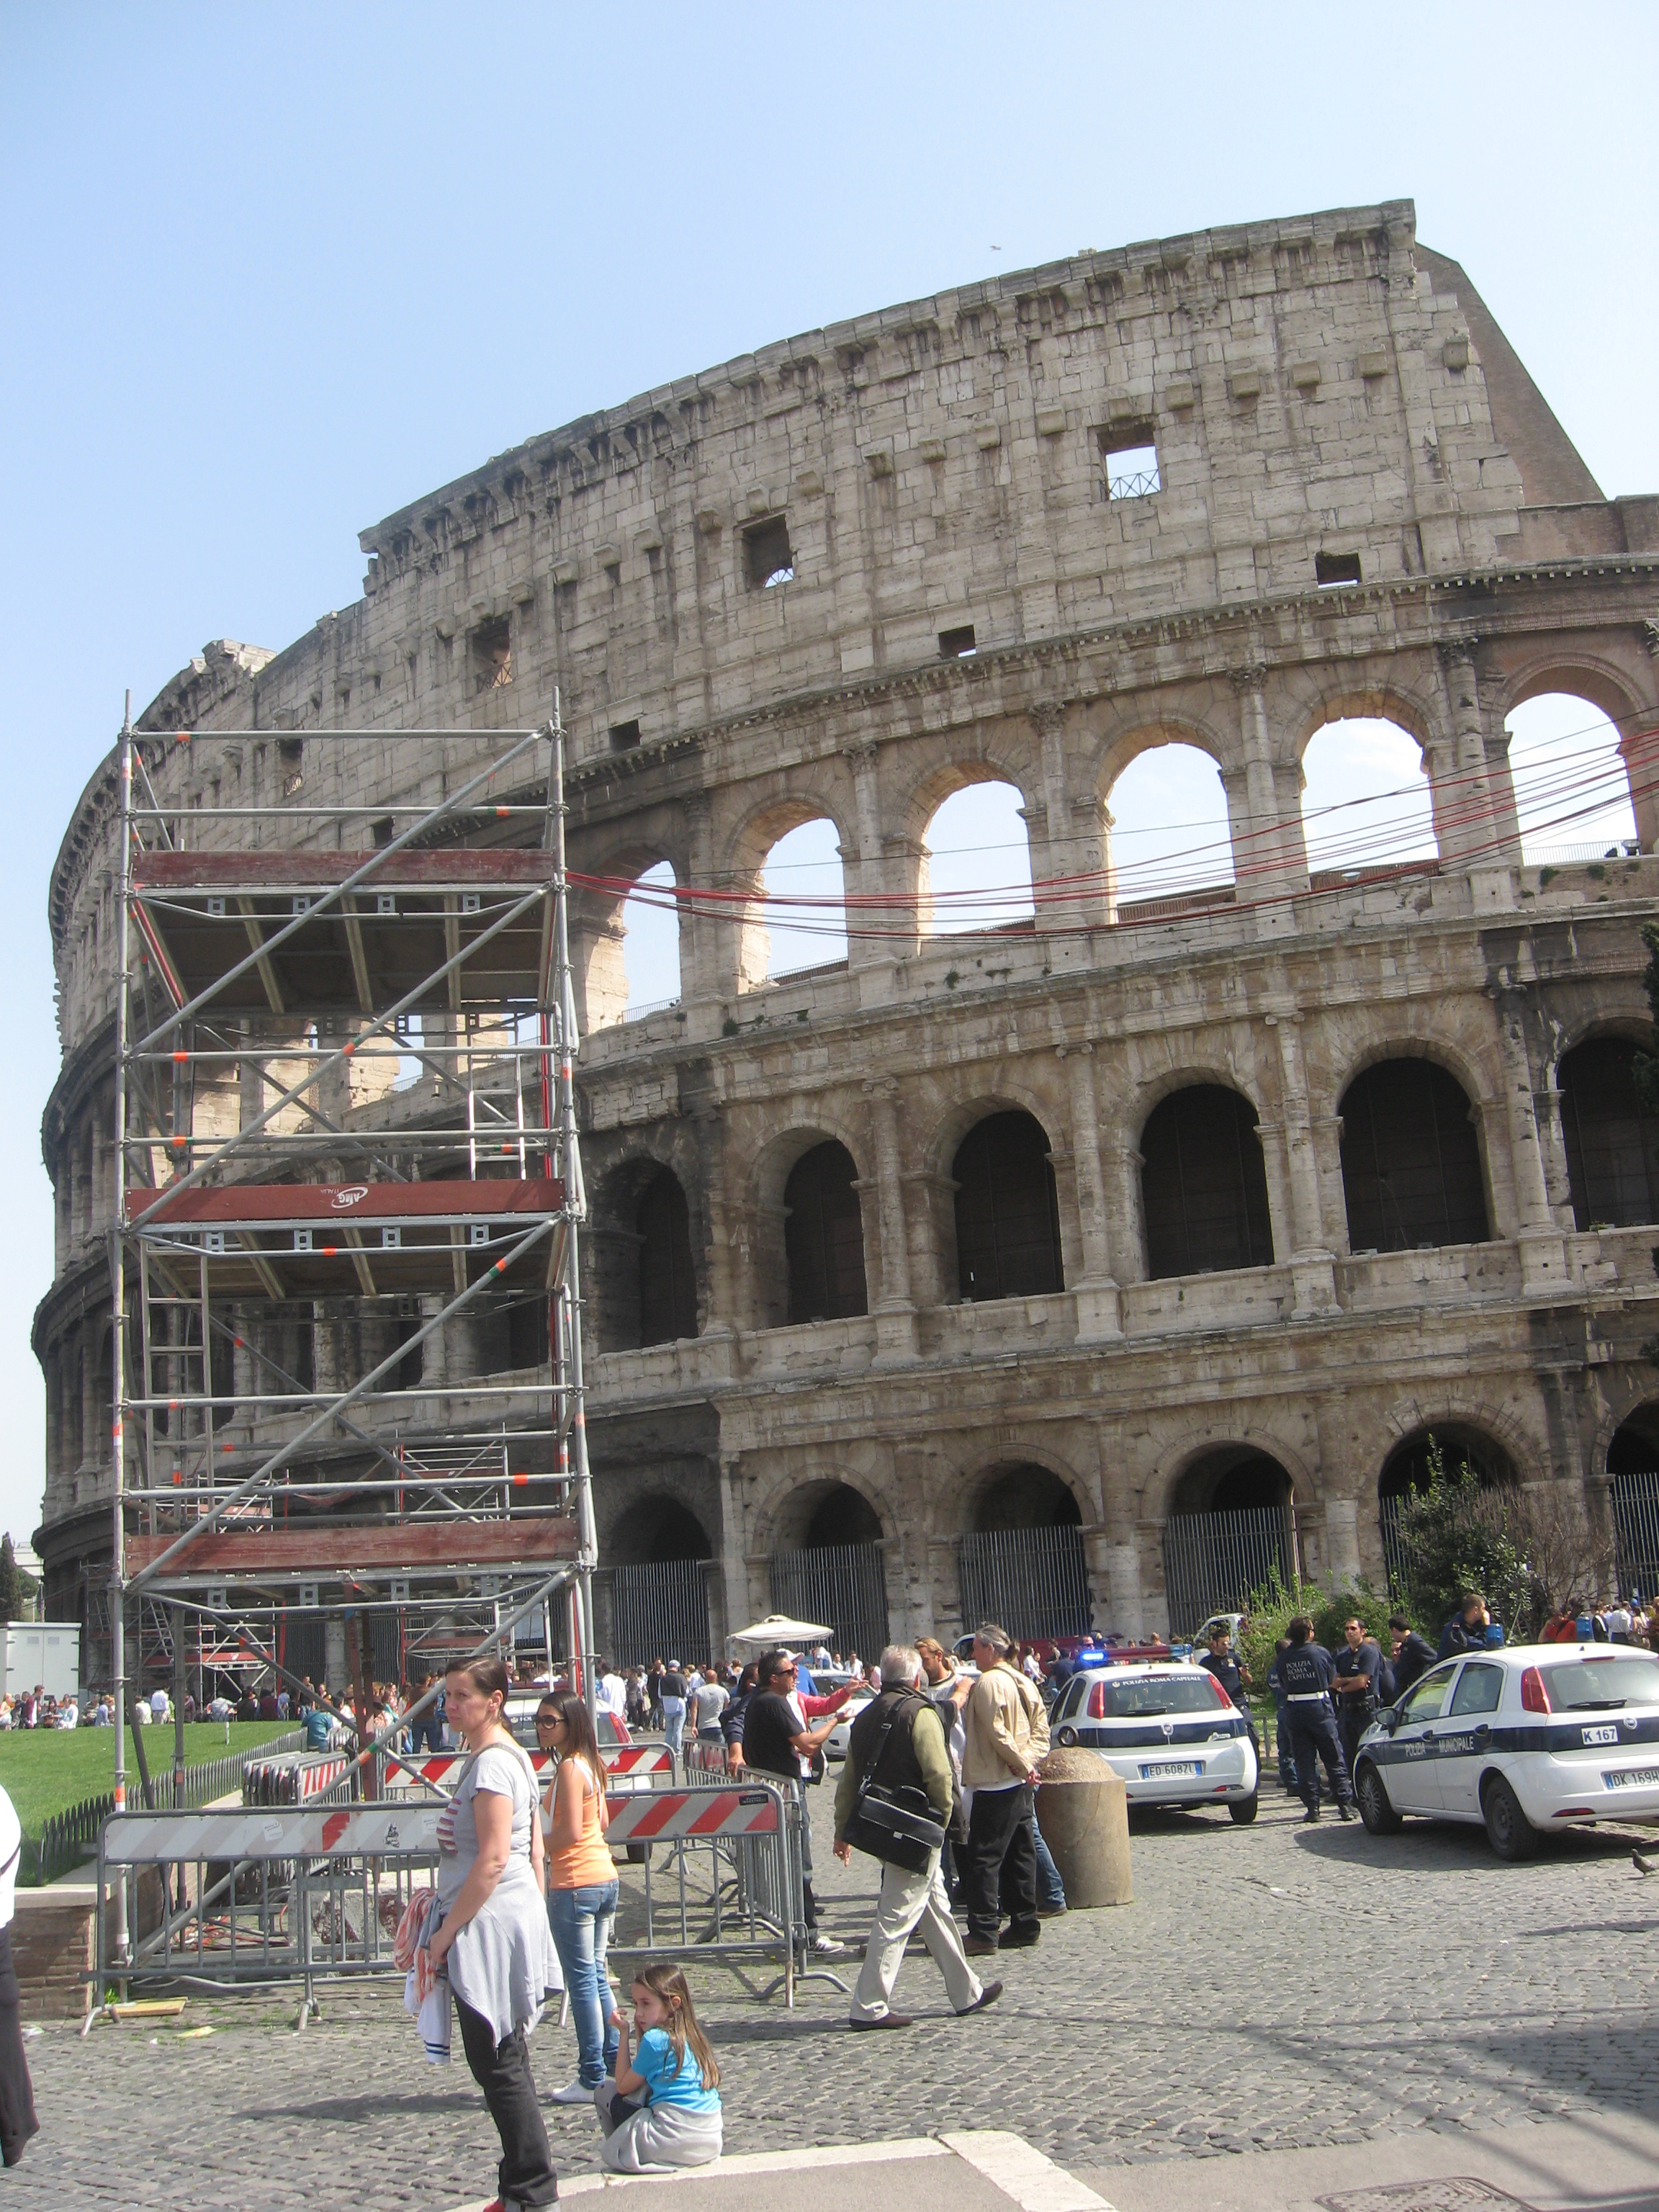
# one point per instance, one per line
(662, 2111)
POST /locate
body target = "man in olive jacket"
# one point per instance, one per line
(913, 1755)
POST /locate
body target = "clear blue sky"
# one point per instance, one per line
(270, 272)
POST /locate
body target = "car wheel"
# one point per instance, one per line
(1375, 1808)
(1508, 1830)
(1243, 1809)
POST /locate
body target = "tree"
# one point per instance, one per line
(1526, 1552)
(11, 1581)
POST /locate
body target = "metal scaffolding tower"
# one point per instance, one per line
(347, 1364)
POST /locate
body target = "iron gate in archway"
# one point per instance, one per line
(1034, 1581)
(1212, 1561)
(843, 1585)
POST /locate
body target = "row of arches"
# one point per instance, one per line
(1170, 828)
(1412, 1169)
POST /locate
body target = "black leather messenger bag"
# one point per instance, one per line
(896, 1825)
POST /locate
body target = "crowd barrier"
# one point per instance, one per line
(291, 1777)
(308, 1894)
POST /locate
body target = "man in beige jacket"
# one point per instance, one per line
(1007, 1735)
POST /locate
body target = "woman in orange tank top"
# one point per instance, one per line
(581, 1885)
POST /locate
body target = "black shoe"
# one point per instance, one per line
(987, 1995)
(887, 2019)
(1010, 1941)
(980, 1946)
(1310, 1820)
(1347, 1813)
(1050, 1911)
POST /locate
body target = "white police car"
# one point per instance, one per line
(1525, 1741)
(1167, 1729)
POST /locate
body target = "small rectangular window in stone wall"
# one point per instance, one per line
(1129, 450)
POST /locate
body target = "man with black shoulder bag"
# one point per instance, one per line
(895, 1801)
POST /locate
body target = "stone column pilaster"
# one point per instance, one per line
(1274, 866)
(1543, 1255)
(1311, 1262)
(1099, 1309)
(895, 1308)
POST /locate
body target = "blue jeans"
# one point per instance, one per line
(1051, 1891)
(582, 1921)
(673, 1722)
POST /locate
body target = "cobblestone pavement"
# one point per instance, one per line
(1271, 1987)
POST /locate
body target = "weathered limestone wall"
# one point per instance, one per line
(1316, 389)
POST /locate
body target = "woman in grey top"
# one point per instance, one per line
(493, 1940)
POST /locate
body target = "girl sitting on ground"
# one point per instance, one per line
(662, 2111)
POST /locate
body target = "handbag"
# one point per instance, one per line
(896, 1825)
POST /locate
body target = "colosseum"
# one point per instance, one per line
(1078, 1266)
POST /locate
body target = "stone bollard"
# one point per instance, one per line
(1082, 1810)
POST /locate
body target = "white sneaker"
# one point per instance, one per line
(573, 2092)
(825, 1947)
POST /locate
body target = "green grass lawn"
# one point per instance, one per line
(46, 1771)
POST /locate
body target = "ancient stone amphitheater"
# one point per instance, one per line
(1083, 1267)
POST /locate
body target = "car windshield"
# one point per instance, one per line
(1602, 1685)
(1154, 1694)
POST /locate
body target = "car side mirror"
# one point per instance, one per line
(1389, 1717)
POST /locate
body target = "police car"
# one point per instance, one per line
(1525, 1740)
(1168, 1728)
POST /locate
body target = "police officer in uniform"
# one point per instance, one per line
(1359, 1670)
(1306, 1672)
(1234, 1678)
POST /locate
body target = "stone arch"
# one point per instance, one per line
(751, 845)
(824, 1236)
(1365, 819)
(999, 1222)
(1450, 1410)
(655, 1529)
(1230, 1527)
(773, 1163)
(1119, 749)
(788, 1514)
(1022, 1493)
(1232, 1478)
(1581, 675)
(991, 871)
(642, 1274)
(599, 929)
(1342, 701)
(1410, 1175)
(1187, 1452)
(1610, 1140)
(1462, 1442)
(1203, 1198)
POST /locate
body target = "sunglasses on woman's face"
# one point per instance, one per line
(549, 1720)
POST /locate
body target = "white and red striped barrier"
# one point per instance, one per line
(672, 1816)
(272, 1832)
(442, 1769)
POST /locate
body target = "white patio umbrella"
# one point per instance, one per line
(778, 1629)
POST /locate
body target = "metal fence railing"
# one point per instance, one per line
(69, 1838)
(658, 1611)
(1212, 1561)
(842, 1585)
(1633, 1506)
(303, 1894)
(1034, 1581)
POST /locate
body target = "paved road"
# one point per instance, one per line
(1270, 1988)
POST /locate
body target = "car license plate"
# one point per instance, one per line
(1598, 1735)
(1633, 1778)
(1168, 1769)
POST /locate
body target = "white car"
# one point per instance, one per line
(1168, 1728)
(1525, 1740)
(835, 1744)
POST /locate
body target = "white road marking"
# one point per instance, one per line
(1009, 2163)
